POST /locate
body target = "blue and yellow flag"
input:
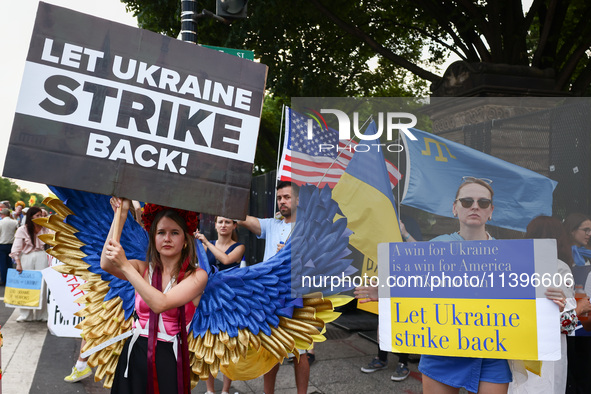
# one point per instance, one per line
(435, 167)
(365, 197)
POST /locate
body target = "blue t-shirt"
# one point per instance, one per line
(273, 231)
(466, 372)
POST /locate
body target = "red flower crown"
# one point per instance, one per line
(151, 210)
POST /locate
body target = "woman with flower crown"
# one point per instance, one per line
(168, 286)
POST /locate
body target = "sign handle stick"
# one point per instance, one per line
(117, 226)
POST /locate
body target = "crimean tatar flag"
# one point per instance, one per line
(435, 167)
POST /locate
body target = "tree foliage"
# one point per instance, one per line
(12, 192)
(326, 48)
(377, 47)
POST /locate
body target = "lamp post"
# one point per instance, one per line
(189, 21)
(226, 12)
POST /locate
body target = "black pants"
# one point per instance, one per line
(5, 261)
(137, 376)
(579, 365)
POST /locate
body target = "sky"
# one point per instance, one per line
(15, 30)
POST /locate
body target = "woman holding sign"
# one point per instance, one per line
(168, 288)
(28, 252)
(473, 207)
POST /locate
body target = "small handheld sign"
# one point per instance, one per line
(23, 290)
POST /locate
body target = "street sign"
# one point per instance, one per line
(243, 53)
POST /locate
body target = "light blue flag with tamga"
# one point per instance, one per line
(435, 167)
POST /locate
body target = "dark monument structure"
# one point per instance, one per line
(513, 113)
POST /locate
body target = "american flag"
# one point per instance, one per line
(317, 161)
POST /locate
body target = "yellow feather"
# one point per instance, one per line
(219, 349)
(273, 345)
(255, 341)
(231, 344)
(243, 336)
(208, 339)
(339, 300)
(297, 335)
(108, 383)
(209, 356)
(223, 337)
(283, 336)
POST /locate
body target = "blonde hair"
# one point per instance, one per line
(476, 181)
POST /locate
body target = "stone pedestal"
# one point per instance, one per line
(497, 109)
(484, 92)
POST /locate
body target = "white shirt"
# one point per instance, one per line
(273, 231)
(8, 227)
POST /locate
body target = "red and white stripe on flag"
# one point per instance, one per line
(317, 161)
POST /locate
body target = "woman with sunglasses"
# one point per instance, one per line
(578, 228)
(473, 207)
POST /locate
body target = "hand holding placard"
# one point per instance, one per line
(470, 298)
(135, 113)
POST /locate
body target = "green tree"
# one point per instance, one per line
(12, 192)
(323, 48)
(9, 191)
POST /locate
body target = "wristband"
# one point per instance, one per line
(407, 237)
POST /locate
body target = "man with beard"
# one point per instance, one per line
(276, 232)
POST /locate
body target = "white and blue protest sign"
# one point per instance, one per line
(470, 298)
(23, 290)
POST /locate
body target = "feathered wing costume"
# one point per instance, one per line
(248, 318)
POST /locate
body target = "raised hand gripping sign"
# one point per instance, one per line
(116, 110)
(470, 298)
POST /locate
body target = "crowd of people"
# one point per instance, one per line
(170, 282)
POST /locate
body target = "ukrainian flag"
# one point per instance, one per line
(365, 197)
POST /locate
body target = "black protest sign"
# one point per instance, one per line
(116, 110)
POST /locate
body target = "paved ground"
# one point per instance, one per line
(34, 361)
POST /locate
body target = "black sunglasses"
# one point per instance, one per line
(468, 202)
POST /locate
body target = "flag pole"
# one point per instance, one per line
(407, 175)
(284, 129)
(188, 22)
(398, 184)
(281, 128)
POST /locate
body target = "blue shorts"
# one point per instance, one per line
(465, 372)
